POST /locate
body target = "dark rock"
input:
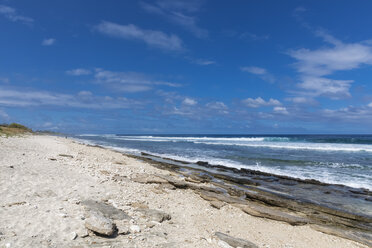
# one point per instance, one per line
(234, 242)
(66, 155)
(355, 235)
(203, 163)
(274, 214)
(211, 196)
(16, 204)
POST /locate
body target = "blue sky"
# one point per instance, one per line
(174, 66)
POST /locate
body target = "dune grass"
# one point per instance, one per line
(13, 129)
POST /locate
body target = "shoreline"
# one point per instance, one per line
(43, 176)
(266, 182)
(219, 161)
(237, 186)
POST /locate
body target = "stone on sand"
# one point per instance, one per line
(106, 210)
(154, 215)
(228, 241)
(100, 224)
(147, 178)
(135, 229)
(217, 204)
(73, 235)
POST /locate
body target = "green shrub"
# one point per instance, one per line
(16, 125)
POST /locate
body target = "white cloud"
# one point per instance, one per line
(48, 42)
(190, 108)
(219, 106)
(85, 93)
(281, 110)
(318, 86)
(189, 101)
(261, 72)
(180, 111)
(325, 61)
(204, 62)
(129, 81)
(370, 105)
(314, 65)
(254, 70)
(4, 115)
(259, 102)
(12, 15)
(200, 61)
(349, 114)
(175, 12)
(302, 100)
(78, 72)
(31, 98)
(47, 124)
(150, 37)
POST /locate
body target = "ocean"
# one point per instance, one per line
(333, 159)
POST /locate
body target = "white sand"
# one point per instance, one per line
(39, 203)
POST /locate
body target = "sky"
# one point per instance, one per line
(187, 66)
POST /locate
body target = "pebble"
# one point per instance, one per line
(151, 224)
(63, 215)
(73, 235)
(82, 233)
(135, 229)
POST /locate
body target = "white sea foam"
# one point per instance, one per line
(304, 173)
(337, 165)
(187, 139)
(265, 142)
(320, 171)
(88, 135)
(300, 146)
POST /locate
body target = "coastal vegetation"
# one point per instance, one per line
(13, 129)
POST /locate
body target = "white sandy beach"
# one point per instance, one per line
(42, 197)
